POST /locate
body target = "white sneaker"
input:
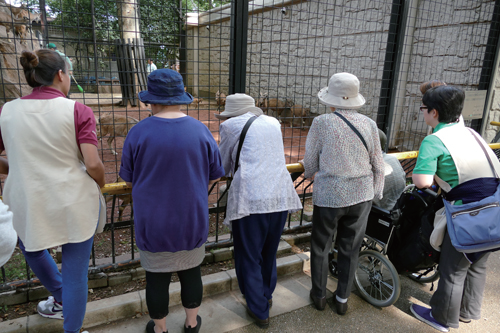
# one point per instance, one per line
(50, 309)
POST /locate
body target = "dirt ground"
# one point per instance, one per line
(294, 139)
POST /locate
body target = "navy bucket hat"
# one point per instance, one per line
(165, 87)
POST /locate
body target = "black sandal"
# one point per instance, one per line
(195, 329)
(150, 327)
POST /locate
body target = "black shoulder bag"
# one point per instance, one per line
(237, 160)
(242, 138)
(355, 130)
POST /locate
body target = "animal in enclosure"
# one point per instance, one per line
(114, 125)
(34, 18)
(10, 22)
(196, 102)
(297, 115)
(17, 12)
(22, 32)
(126, 199)
(274, 106)
(220, 98)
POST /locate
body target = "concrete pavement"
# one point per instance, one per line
(223, 308)
(293, 312)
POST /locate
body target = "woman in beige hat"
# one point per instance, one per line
(343, 148)
(259, 199)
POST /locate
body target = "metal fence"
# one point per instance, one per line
(280, 52)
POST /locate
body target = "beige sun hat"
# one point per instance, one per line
(237, 105)
(342, 92)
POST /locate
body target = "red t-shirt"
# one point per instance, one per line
(85, 125)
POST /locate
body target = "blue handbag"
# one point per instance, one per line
(475, 226)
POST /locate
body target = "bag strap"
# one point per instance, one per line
(355, 130)
(485, 152)
(240, 144)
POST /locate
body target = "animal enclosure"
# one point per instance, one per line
(281, 52)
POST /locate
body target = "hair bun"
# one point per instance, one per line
(29, 60)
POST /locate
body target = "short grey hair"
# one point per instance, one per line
(383, 138)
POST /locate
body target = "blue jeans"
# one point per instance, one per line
(75, 263)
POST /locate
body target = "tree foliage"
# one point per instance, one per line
(161, 23)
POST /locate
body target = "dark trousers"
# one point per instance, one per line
(460, 288)
(256, 239)
(350, 224)
(157, 296)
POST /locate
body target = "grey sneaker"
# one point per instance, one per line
(50, 309)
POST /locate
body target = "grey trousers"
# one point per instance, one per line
(460, 288)
(350, 224)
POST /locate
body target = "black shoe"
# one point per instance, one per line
(195, 329)
(150, 327)
(319, 302)
(341, 307)
(464, 320)
(262, 323)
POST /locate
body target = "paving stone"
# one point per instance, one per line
(98, 280)
(216, 283)
(308, 216)
(209, 258)
(37, 293)
(13, 297)
(222, 255)
(289, 265)
(283, 248)
(138, 273)
(109, 309)
(118, 279)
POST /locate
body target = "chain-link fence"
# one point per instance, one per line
(279, 52)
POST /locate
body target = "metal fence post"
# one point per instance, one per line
(389, 82)
(398, 64)
(490, 61)
(45, 27)
(238, 48)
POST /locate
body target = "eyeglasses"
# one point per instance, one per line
(422, 108)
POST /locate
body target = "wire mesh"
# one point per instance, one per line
(293, 47)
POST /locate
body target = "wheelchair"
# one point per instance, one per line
(376, 278)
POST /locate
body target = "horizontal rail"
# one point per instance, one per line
(495, 123)
(122, 188)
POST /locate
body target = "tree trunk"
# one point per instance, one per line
(128, 18)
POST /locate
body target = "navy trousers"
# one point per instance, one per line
(256, 239)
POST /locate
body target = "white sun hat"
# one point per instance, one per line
(237, 105)
(342, 92)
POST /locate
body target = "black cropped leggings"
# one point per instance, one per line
(157, 296)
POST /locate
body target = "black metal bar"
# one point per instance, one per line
(94, 41)
(238, 48)
(113, 205)
(488, 70)
(132, 231)
(388, 89)
(182, 45)
(45, 27)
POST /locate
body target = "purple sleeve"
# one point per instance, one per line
(127, 162)
(216, 168)
(85, 125)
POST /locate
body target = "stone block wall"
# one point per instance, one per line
(448, 43)
(293, 54)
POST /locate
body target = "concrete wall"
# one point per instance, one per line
(448, 43)
(491, 131)
(292, 54)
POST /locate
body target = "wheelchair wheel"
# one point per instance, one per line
(425, 275)
(376, 279)
(332, 265)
